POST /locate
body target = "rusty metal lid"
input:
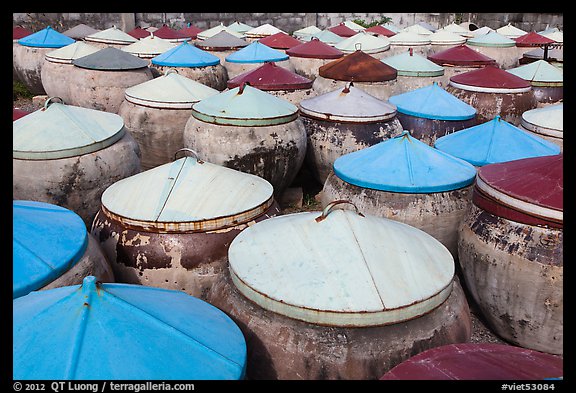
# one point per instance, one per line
(110, 59)
(262, 31)
(245, 106)
(540, 73)
(315, 49)
(217, 29)
(532, 39)
(339, 267)
(138, 32)
(112, 35)
(170, 91)
(187, 195)
(256, 52)
(491, 39)
(494, 141)
(190, 31)
(358, 67)
(70, 52)
(222, 41)
(432, 102)
(342, 30)
(80, 31)
(490, 79)
(524, 190)
(271, 77)
(412, 64)
(20, 32)
(349, 104)
(325, 36)
(280, 40)
(167, 33)
(186, 55)
(149, 46)
(47, 240)
(405, 38)
(461, 55)
(124, 332)
(380, 30)
(46, 38)
(547, 121)
(365, 42)
(404, 164)
(61, 131)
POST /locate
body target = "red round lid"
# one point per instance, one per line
(381, 30)
(315, 49)
(532, 39)
(20, 32)
(461, 55)
(167, 33)
(358, 66)
(190, 31)
(342, 30)
(528, 190)
(270, 76)
(280, 40)
(18, 113)
(139, 32)
(490, 79)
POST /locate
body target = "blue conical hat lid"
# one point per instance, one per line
(111, 331)
(46, 38)
(494, 141)
(404, 164)
(47, 241)
(186, 55)
(432, 102)
(256, 52)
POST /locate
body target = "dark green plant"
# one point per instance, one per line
(381, 21)
(19, 90)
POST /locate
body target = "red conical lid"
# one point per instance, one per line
(358, 67)
(380, 30)
(342, 30)
(190, 31)
(270, 76)
(315, 49)
(532, 39)
(18, 113)
(20, 32)
(490, 79)
(461, 55)
(280, 40)
(139, 32)
(167, 33)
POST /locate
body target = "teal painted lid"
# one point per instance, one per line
(256, 52)
(217, 29)
(186, 55)
(326, 36)
(540, 73)
(46, 38)
(494, 141)
(47, 240)
(433, 102)
(239, 27)
(149, 46)
(365, 42)
(404, 164)
(245, 106)
(547, 121)
(339, 267)
(70, 52)
(110, 59)
(109, 331)
(112, 35)
(188, 195)
(409, 38)
(412, 64)
(492, 40)
(306, 31)
(170, 90)
(61, 131)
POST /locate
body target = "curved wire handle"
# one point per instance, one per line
(48, 102)
(331, 205)
(194, 154)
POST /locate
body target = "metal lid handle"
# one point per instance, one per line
(331, 205)
(48, 101)
(194, 154)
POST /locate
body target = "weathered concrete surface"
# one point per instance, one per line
(27, 63)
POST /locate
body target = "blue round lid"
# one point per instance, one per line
(46, 38)
(256, 52)
(495, 141)
(404, 164)
(47, 241)
(123, 332)
(185, 55)
(432, 102)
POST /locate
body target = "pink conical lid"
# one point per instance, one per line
(342, 30)
(490, 79)
(280, 40)
(315, 49)
(270, 76)
(461, 55)
(532, 39)
(381, 30)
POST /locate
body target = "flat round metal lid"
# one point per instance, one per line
(491, 39)
(256, 53)
(478, 361)
(412, 64)
(461, 55)
(222, 41)
(245, 106)
(341, 268)
(112, 35)
(358, 67)
(123, 332)
(532, 39)
(46, 38)
(271, 77)
(61, 131)
(149, 46)
(540, 73)
(349, 104)
(432, 102)
(532, 186)
(342, 30)
(110, 59)
(170, 90)
(217, 29)
(71, 52)
(494, 141)
(409, 38)
(443, 37)
(315, 49)
(490, 79)
(188, 195)
(365, 42)
(47, 240)
(280, 40)
(404, 164)
(186, 55)
(548, 120)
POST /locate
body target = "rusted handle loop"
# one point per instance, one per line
(49, 102)
(171, 71)
(347, 87)
(331, 205)
(241, 88)
(194, 154)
